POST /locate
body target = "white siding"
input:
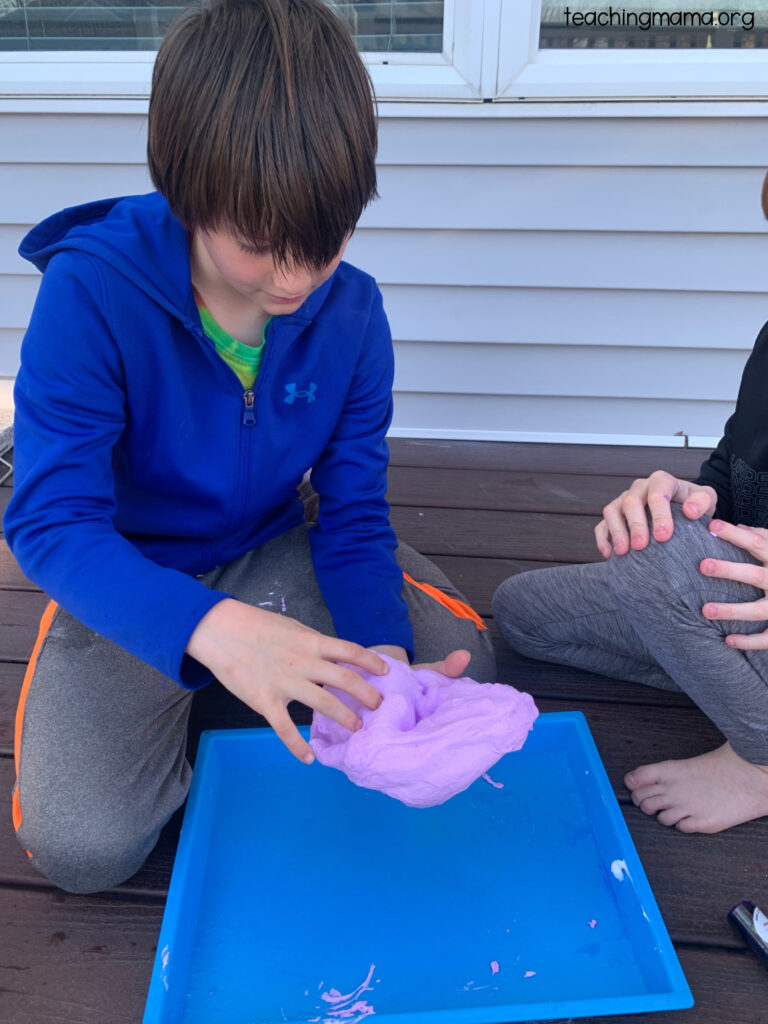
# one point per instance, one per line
(568, 276)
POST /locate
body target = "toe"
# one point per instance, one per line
(643, 793)
(645, 775)
(690, 825)
(654, 803)
(671, 816)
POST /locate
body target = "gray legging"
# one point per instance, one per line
(638, 617)
(102, 763)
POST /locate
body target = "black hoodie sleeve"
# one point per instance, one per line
(716, 473)
(744, 444)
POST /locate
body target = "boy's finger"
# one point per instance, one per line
(602, 539)
(286, 731)
(634, 509)
(740, 537)
(343, 677)
(616, 529)
(748, 641)
(744, 611)
(354, 654)
(659, 503)
(739, 572)
(327, 704)
(452, 665)
(698, 503)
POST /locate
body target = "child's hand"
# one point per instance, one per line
(755, 541)
(268, 660)
(452, 665)
(625, 520)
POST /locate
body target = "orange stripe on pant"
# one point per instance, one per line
(45, 625)
(459, 608)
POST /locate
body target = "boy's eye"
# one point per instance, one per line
(254, 250)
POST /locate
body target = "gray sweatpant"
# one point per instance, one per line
(102, 765)
(638, 617)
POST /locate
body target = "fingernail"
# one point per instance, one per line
(715, 526)
(630, 777)
(358, 725)
(694, 508)
(308, 758)
(710, 610)
(707, 566)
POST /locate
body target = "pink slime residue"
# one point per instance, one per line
(530, 974)
(348, 1008)
(494, 966)
(488, 779)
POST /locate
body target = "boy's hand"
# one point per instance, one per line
(625, 520)
(268, 660)
(755, 541)
(452, 665)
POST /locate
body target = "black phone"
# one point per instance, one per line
(752, 924)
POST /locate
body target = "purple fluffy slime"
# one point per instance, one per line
(431, 737)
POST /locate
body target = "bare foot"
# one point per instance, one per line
(708, 793)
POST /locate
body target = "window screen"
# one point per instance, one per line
(378, 25)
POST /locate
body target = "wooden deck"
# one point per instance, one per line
(482, 512)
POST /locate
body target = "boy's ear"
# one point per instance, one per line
(764, 196)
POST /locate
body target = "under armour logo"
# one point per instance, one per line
(294, 393)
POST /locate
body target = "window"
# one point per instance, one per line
(89, 49)
(99, 52)
(389, 26)
(633, 49)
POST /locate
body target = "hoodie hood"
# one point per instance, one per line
(135, 235)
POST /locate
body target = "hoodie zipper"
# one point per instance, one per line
(248, 420)
(249, 411)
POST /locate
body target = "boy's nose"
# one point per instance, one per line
(293, 281)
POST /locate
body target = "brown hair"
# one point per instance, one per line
(262, 123)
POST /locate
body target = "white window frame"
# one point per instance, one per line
(89, 79)
(527, 73)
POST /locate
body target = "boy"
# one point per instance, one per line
(680, 606)
(192, 353)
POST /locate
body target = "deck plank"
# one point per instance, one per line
(430, 487)
(589, 460)
(504, 491)
(11, 576)
(486, 533)
(20, 614)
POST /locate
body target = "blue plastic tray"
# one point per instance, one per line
(297, 896)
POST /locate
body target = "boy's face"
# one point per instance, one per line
(253, 275)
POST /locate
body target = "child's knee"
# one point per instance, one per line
(512, 607)
(482, 664)
(659, 570)
(83, 859)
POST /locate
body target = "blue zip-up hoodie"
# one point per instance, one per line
(141, 463)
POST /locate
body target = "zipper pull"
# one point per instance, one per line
(249, 413)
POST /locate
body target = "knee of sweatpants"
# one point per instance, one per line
(660, 570)
(511, 606)
(82, 859)
(482, 662)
